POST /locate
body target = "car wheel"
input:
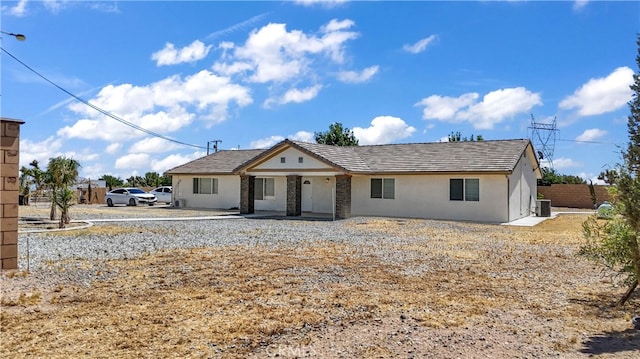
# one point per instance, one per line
(151, 204)
(132, 202)
(109, 202)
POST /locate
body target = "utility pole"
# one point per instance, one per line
(215, 145)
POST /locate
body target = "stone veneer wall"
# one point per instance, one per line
(9, 190)
(294, 195)
(343, 196)
(247, 192)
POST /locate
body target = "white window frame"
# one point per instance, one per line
(268, 190)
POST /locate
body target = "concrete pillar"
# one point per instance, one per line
(9, 191)
(343, 196)
(294, 195)
(247, 194)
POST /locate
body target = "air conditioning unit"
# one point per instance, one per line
(180, 203)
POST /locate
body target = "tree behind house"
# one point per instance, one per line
(337, 136)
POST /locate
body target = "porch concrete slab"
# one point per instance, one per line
(533, 220)
(530, 221)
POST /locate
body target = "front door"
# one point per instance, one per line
(307, 203)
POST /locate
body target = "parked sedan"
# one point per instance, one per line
(163, 194)
(131, 196)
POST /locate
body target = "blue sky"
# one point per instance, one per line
(253, 73)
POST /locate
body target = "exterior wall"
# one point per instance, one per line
(321, 193)
(427, 196)
(228, 195)
(522, 190)
(574, 195)
(291, 162)
(9, 189)
(277, 203)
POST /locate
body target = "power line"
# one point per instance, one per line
(104, 112)
(596, 142)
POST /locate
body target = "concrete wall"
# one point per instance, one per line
(573, 195)
(9, 190)
(421, 196)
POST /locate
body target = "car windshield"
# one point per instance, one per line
(136, 190)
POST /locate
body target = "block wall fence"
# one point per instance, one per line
(9, 189)
(573, 195)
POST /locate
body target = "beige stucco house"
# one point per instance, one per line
(486, 181)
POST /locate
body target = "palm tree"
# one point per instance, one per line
(62, 172)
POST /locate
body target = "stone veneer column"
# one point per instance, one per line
(294, 195)
(343, 196)
(247, 193)
(9, 190)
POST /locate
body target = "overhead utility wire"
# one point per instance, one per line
(104, 112)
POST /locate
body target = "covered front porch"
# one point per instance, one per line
(295, 194)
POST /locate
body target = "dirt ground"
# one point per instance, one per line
(481, 291)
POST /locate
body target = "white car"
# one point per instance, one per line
(131, 196)
(163, 194)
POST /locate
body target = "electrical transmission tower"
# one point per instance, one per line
(543, 137)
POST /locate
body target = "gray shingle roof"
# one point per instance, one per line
(479, 156)
(221, 162)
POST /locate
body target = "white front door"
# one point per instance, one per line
(307, 202)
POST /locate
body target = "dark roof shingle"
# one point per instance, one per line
(221, 162)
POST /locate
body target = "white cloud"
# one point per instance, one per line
(266, 142)
(579, 4)
(383, 130)
(152, 145)
(601, 95)
(560, 163)
(303, 136)
(19, 10)
(113, 148)
(325, 3)
(296, 96)
(419, 46)
(174, 160)
(163, 107)
(273, 54)
(40, 151)
(133, 161)
(591, 134)
(169, 55)
(495, 107)
(358, 77)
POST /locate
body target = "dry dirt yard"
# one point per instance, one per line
(461, 290)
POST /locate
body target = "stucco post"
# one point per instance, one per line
(294, 195)
(247, 193)
(9, 191)
(343, 196)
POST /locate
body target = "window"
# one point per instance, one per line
(283, 159)
(265, 188)
(300, 159)
(467, 189)
(383, 188)
(205, 185)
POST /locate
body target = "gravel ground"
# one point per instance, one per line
(522, 297)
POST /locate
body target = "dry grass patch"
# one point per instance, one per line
(236, 301)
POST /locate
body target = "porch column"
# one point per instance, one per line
(343, 196)
(294, 195)
(247, 193)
